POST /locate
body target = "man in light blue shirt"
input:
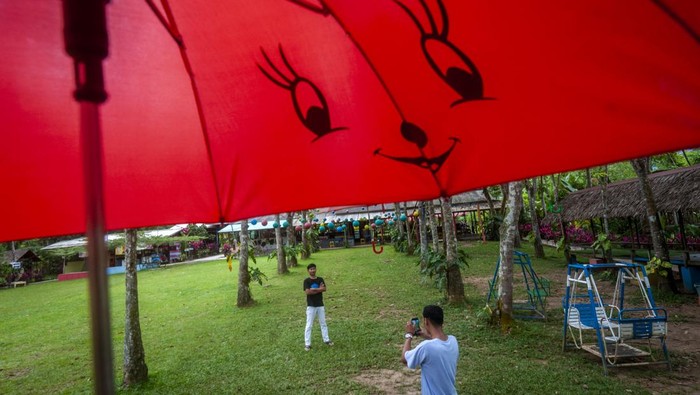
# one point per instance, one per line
(437, 356)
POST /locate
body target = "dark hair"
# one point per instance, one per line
(434, 314)
(310, 266)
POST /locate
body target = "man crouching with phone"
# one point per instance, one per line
(437, 356)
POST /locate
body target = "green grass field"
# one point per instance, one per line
(197, 341)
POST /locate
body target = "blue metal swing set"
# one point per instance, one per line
(536, 288)
(614, 331)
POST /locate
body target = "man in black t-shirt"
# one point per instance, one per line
(314, 287)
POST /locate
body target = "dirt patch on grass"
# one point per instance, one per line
(684, 345)
(15, 373)
(390, 382)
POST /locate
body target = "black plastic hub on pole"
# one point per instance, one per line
(85, 35)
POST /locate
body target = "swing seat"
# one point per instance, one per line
(639, 324)
(542, 290)
(582, 316)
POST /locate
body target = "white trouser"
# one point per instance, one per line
(311, 313)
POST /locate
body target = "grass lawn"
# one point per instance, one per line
(197, 340)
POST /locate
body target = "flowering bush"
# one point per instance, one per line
(576, 235)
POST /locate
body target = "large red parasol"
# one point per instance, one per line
(433, 97)
(222, 110)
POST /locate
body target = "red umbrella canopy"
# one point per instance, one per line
(297, 104)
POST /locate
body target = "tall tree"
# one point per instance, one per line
(306, 248)
(244, 296)
(564, 237)
(509, 227)
(281, 257)
(410, 228)
(455, 285)
(641, 167)
(399, 223)
(291, 242)
(532, 192)
(491, 223)
(432, 221)
(504, 197)
(604, 181)
(135, 368)
(423, 235)
(589, 180)
(521, 203)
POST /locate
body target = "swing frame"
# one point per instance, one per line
(536, 287)
(619, 330)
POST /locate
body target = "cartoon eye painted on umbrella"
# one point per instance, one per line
(309, 104)
(448, 61)
(313, 5)
(417, 136)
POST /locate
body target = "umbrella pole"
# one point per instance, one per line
(97, 253)
(86, 40)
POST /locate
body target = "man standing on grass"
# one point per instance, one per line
(437, 356)
(314, 287)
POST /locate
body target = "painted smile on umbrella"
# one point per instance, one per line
(316, 118)
(417, 136)
(315, 6)
(457, 70)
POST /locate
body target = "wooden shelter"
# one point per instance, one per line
(675, 190)
(24, 255)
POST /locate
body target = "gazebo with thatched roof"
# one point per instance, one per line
(675, 191)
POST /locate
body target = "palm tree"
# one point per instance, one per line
(244, 296)
(135, 368)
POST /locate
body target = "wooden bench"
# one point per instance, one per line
(16, 283)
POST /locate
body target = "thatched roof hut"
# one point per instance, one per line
(674, 190)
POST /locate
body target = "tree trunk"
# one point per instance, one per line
(281, 257)
(492, 213)
(604, 197)
(399, 223)
(291, 240)
(520, 202)
(589, 180)
(306, 249)
(641, 167)
(532, 191)
(135, 368)
(565, 242)
(455, 285)
(423, 236)
(244, 296)
(504, 198)
(433, 227)
(509, 227)
(685, 155)
(409, 230)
